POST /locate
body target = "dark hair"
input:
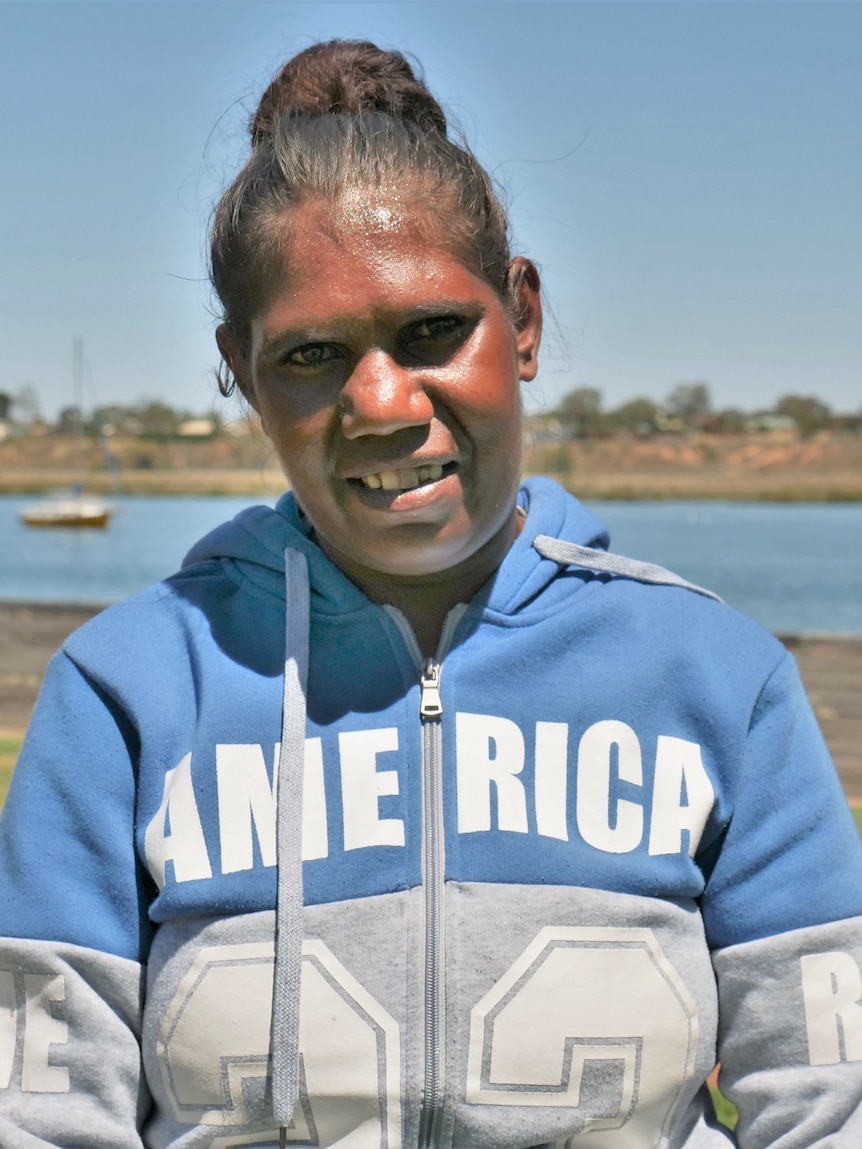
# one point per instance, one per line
(346, 114)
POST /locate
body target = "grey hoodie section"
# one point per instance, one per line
(804, 1089)
(69, 1030)
(70, 1060)
(540, 1054)
(622, 1068)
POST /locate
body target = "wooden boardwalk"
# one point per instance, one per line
(29, 635)
(831, 667)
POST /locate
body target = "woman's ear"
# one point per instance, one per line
(526, 293)
(236, 362)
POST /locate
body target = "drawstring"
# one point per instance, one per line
(288, 914)
(566, 554)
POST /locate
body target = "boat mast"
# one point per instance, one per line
(78, 400)
(78, 372)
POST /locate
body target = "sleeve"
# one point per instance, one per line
(783, 912)
(73, 927)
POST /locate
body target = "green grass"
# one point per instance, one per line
(9, 748)
(725, 1110)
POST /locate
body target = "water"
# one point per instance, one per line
(793, 567)
(145, 541)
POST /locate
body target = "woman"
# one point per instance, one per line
(553, 829)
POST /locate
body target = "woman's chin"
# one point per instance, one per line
(426, 552)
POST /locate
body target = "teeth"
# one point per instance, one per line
(403, 480)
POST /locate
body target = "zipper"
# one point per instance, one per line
(430, 716)
(431, 713)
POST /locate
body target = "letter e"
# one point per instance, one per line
(42, 1030)
(8, 1026)
(362, 785)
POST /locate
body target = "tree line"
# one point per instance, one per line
(581, 414)
(147, 418)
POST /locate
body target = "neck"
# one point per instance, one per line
(425, 600)
(426, 617)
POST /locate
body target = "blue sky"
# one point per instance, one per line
(687, 175)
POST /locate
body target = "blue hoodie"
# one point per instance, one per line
(546, 875)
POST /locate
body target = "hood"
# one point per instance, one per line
(256, 538)
(254, 542)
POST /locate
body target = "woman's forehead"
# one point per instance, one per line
(380, 211)
(357, 245)
(367, 216)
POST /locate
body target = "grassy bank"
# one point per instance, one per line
(193, 481)
(715, 488)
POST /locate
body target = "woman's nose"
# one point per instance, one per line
(381, 396)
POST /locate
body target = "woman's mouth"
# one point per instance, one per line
(405, 478)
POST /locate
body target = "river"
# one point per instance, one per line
(793, 567)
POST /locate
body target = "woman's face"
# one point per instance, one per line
(387, 376)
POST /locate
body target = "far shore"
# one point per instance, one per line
(745, 467)
(184, 481)
(695, 484)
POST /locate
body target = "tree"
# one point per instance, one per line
(157, 419)
(727, 421)
(689, 401)
(809, 412)
(26, 404)
(580, 413)
(70, 420)
(637, 415)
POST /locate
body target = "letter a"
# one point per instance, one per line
(184, 845)
(678, 762)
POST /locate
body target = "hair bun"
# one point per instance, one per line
(349, 76)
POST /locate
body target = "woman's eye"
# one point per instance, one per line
(440, 327)
(437, 338)
(312, 355)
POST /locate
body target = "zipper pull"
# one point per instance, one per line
(430, 705)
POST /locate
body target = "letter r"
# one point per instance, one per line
(831, 988)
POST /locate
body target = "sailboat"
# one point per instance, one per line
(74, 508)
